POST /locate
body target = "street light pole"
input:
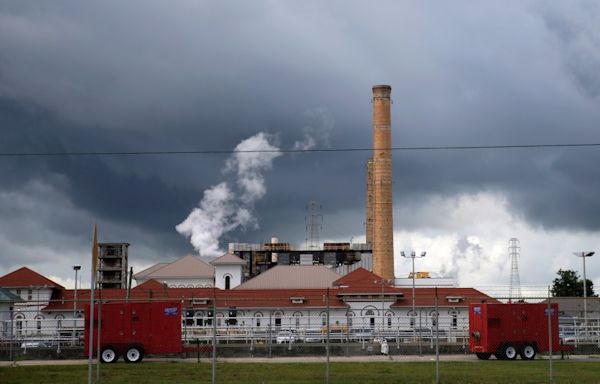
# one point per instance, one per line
(583, 255)
(413, 255)
(76, 268)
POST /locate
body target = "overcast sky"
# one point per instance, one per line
(218, 75)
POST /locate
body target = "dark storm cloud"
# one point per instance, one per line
(151, 75)
(578, 37)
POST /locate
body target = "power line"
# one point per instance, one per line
(228, 152)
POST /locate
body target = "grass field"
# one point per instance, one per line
(492, 371)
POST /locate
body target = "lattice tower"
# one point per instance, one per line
(314, 225)
(515, 282)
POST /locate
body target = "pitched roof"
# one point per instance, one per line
(149, 270)
(292, 277)
(25, 277)
(361, 277)
(228, 259)
(7, 296)
(425, 297)
(186, 267)
(189, 297)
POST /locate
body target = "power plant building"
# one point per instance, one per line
(112, 265)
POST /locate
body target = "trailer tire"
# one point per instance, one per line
(528, 352)
(108, 355)
(509, 352)
(134, 354)
(483, 355)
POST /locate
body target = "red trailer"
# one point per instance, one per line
(508, 330)
(135, 329)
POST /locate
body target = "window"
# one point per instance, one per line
(297, 316)
(59, 319)
(412, 321)
(227, 282)
(371, 315)
(19, 323)
(257, 318)
(277, 315)
(38, 323)
(350, 316)
(30, 294)
(389, 320)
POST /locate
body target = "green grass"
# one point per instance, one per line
(513, 372)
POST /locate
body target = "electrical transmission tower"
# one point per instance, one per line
(314, 225)
(515, 282)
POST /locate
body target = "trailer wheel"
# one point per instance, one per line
(134, 354)
(527, 352)
(509, 352)
(483, 356)
(108, 355)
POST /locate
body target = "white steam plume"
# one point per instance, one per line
(224, 207)
(320, 135)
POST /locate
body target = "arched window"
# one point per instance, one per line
(199, 318)
(370, 314)
(19, 323)
(349, 316)
(257, 317)
(59, 319)
(297, 315)
(277, 315)
(227, 281)
(323, 316)
(38, 323)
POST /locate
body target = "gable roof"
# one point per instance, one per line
(7, 296)
(361, 277)
(25, 277)
(228, 259)
(186, 267)
(292, 277)
(149, 270)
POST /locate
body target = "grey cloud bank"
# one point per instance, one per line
(146, 75)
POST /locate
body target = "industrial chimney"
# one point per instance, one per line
(380, 224)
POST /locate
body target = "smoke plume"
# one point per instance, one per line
(230, 204)
(311, 136)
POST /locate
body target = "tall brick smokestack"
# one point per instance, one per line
(380, 185)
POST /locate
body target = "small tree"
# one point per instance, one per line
(568, 284)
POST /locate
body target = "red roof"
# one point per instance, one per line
(192, 297)
(25, 277)
(447, 297)
(361, 281)
(62, 300)
(360, 277)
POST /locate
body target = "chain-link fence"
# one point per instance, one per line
(247, 326)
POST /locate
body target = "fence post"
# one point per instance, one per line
(549, 314)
